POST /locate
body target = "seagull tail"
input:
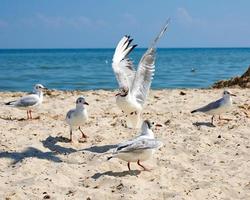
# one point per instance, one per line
(10, 103)
(158, 37)
(109, 157)
(194, 111)
(123, 49)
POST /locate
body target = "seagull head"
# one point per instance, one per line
(39, 88)
(227, 93)
(81, 101)
(146, 128)
(123, 92)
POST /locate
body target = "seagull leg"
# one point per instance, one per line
(70, 135)
(83, 138)
(28, 117)
(212, 120)
(30, 114)
(83, 135)
(144, 168)
(129, 166)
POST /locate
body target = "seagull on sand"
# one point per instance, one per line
(29, 102)
(218, 107)
(134, 85)
(77, 117)
(138, 149)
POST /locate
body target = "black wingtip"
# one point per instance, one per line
(193, 111)
(8, 103)
(135, 45)
(109, 158)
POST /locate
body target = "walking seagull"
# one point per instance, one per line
(138, 149)
(134, 85)
(29, 102)
(77, 117)
(217, 107)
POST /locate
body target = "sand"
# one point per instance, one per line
(197, 161)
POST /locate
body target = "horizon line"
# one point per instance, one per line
(79, 48)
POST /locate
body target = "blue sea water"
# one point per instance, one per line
(84, 69)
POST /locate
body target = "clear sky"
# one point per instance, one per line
(101, 23)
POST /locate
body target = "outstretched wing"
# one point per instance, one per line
(122, 65)
(146, 68)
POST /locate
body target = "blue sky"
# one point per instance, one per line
(101, 23)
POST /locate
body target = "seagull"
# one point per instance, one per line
(134, 85)
(77, 117)
(217, 107)
(30, 101)
(138, 149)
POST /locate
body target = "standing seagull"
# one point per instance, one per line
(134, 85)
(217, 107)
(138, 149)
(77, 117)
(29, 102)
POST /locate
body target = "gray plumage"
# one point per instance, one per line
(139, 145)
(210, 106)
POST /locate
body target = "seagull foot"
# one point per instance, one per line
(82, 140)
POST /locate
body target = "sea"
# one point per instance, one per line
(90, 69)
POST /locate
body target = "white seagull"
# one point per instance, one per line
(138, 149)
(77, 117)
(29, 102)
(134, 85)
(218, 107)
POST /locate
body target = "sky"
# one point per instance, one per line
(101, 23)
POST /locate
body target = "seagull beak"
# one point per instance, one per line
(86, 103)
(232, 95)
(118, 94)
(45, 88)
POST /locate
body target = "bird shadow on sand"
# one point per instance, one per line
(208, 124)
(30, 152)
(100, 149)
(51, 143)
(18, 119)
(116, 174)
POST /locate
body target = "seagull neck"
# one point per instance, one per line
(79, 107)
(227, 98)
(149, 133)
(40, 94)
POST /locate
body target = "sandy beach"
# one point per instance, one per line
(197, 161)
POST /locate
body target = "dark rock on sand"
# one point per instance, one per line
(238, 81)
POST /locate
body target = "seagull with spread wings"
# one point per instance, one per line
(134, 85)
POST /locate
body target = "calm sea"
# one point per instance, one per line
(69, 69)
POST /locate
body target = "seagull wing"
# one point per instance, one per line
(146, 68)
(69, 114)
(211, 106)
(122, 65)
(138, 145)
(27, 101)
